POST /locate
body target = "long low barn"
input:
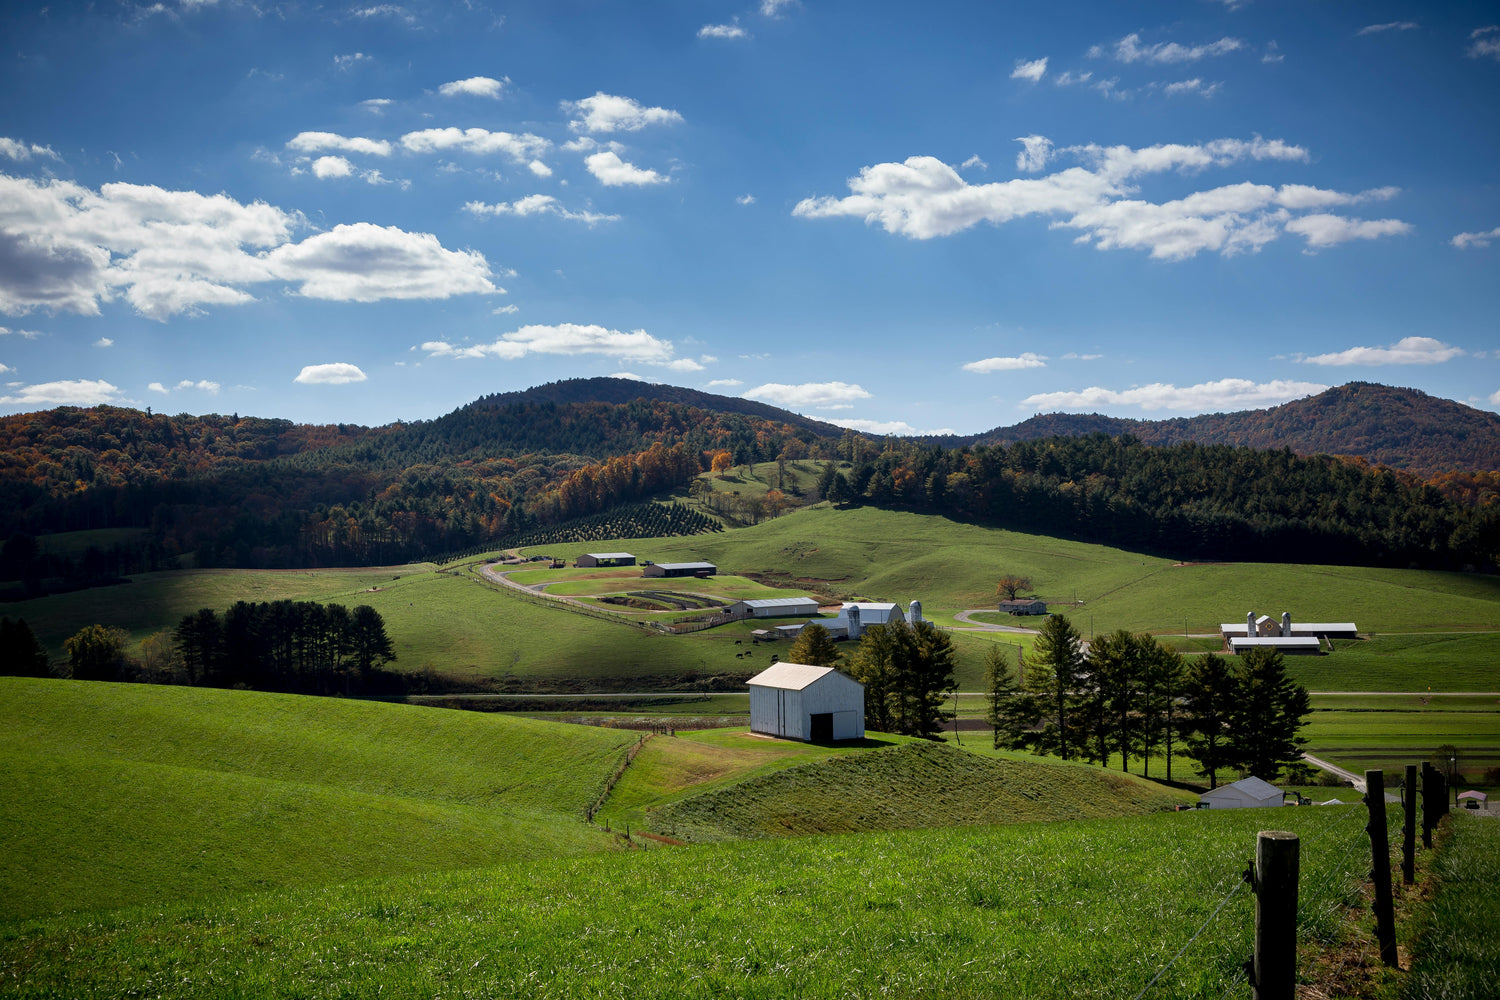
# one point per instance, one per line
(1305, 644)
(774, 607)
(680, 569)
(606, 559)
(799, 701)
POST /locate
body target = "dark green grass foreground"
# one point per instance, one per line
(1085, 909)
(1458, 946)
(121, 794)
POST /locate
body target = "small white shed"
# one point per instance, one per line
(798, 701)
(1247, 793)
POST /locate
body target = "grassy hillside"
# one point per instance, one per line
(1087, 909)
(905, 787)
(117, 794)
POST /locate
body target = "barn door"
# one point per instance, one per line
(822, 727)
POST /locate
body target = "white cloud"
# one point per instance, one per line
(104, 342)
(322, 142)
(731, 30)
(633, 377)
(1329, 230)
(1406, 351)
(1032, 70)
(1071, 78)
(1194, 86)
(923, 197)
(376, 105)
(390, 10)
(1225, 394)
(898, 428)
(1465, 240)
(520, 148)
(539, 168)
(1025, 360)
(537, 204)
(364, 262)
(4, 368)
(338, 373)
(974, 161)
(6, 331)
(566, 339)
(158, 387)
(684, 365)
(723, 383)
(745, 199)
(1375, 29)
(325, 167)
(17, 150)
(615, 172)
(1129, 49)
(1495, 398)
(772, 8)
(348, 62)
(203, 385)
(1036, 150)
(1485, 42)
(818, 395)
(474, 86)
(610, 113)
(1074, 356)
(1273, 53)
(70, 392)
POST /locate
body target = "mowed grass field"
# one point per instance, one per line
(1093, 908)
(1429, 629)
(120, 794)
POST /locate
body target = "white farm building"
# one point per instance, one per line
(774, 607)
(797, 701)
(1247, 793)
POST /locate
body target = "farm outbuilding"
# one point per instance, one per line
(1247, 793)
(1024, 606)
(797, 701)
(1266, 627)
(680, 569)
(606, 559)
(776, 607)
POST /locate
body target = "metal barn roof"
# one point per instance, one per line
(781, 602)
(790, 676)
(611, 555)
(687, 565)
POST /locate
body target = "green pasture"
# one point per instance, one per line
(1392, 739)
(1457, 933)
(1090, 909)
(121, 794)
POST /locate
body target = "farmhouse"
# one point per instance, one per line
(1247, 793)
(775, 607)
(1024, 606)
(797, 701)
(606, 559)
(680, 569)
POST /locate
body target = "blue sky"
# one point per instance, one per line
(904, 218)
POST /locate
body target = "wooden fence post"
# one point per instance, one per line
(1380, 867)
(1273, 969)
(1409, 826)
(1429, 816)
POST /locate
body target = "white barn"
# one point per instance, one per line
(1247, 793)
(797, 701)
(774, 607)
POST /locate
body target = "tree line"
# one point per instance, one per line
(1130, 697)
(907, 672)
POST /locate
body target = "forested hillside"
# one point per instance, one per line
(244, 491)
(1402, 428)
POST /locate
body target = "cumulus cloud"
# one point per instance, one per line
(567, 339)
(104, 342)
(1033, 69)
(474, 86)
(611, 113)
(731, 30)
(817, 395)
(1225, 394)
(6, 331)
(332, 142)
(539, 168)
(1406, 351)
(1025, 360)
(615, 172)
(350, 60)
(897, 428)
(157, 387)
(202, 385)
(65, 247)
(325, 167)
(376, 105)
(337, 373)
(723, 383)
(1129, 49)
(1195, 87)
(745, 199)
(537, 204)
(923, 197)
(69, 392)
(1375, 29)
(1495, 398)
(974, 161)
(21, 151)
(1485, 42)
(1466, 240)
(772, 8)
(481, 142)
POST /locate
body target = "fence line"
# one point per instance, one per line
(1201, 927)
(609, 786)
